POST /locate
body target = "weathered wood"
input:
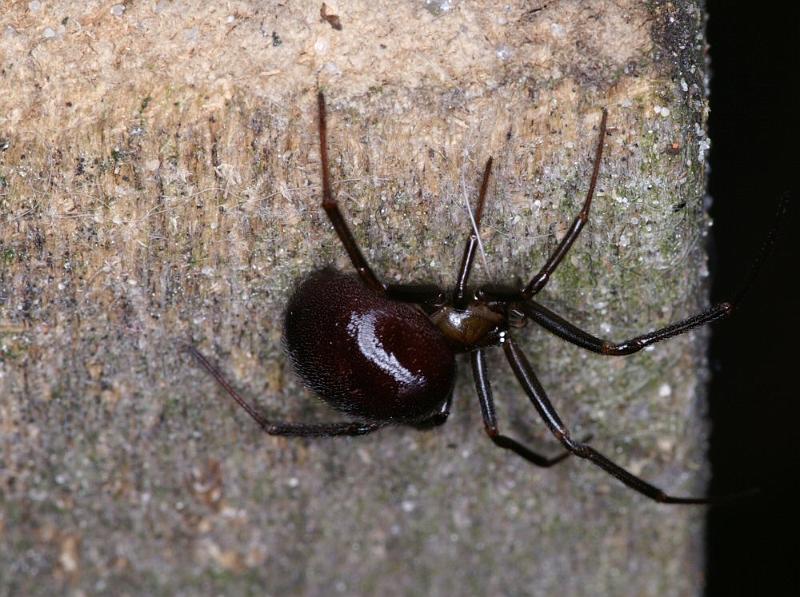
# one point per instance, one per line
(160, 182)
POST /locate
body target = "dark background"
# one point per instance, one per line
(754, 547)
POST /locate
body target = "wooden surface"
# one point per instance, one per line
(159, 183)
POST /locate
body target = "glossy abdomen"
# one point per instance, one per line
(364, 354)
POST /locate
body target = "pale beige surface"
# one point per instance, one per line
(160, 182)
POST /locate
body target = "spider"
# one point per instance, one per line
(385, 354)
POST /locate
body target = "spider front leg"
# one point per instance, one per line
(490, 419)
(331, 208)
(564, 329)
(425, 295)
(540, 280)
(537, 395)
(571, 333)
(346, 428)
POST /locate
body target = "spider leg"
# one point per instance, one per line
(490, 419)
(438, 418)
(571, 333)
(537, 395)
(423, 294)
(539, 280)
(331, 208)
(282, 427)
(472, 242)
(564, 329)
(431, 295)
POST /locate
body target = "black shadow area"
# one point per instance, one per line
(753, 548)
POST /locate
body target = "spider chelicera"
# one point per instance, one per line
(385, 354)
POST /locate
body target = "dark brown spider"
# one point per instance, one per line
(385, 354)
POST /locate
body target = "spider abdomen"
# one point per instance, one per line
(366, 355)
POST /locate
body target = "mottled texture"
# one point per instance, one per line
(159, 182)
